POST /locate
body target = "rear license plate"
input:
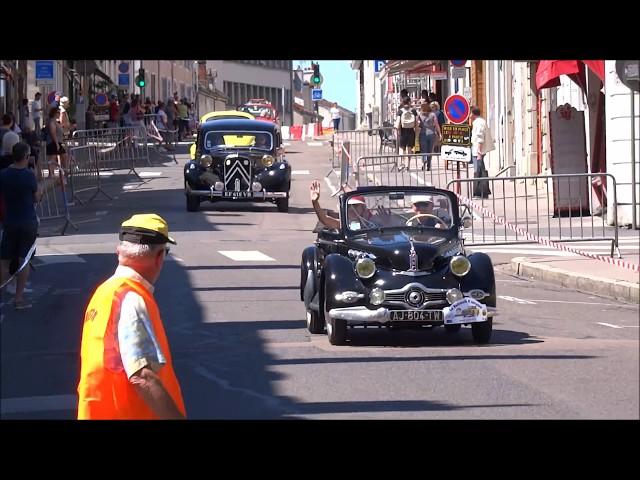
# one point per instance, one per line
(416, 315)
(235, 194)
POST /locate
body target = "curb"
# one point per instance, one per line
(618, 289)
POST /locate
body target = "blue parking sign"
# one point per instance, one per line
(378, 64)
(316, 94)
(44, 69)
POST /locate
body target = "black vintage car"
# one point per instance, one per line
(237, 160)
(398, 260)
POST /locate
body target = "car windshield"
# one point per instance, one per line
(237, 139)
(258, 110)
(373, 211)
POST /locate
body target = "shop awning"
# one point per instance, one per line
(90, 67)
(394, 67)
(549, 71)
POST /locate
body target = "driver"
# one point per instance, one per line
(423, 205)
(261, 141)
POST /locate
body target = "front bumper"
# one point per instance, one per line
(234, 195)
(463, 311)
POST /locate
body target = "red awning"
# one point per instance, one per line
(549, 71)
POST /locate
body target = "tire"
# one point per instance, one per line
(315, 322)
(481, 332)
(193, 203)
(453, 328)
(282, 204)
(336, 329)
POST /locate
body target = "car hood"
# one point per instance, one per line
(394, 249)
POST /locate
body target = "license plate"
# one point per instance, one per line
(235, 194)
(416, 315)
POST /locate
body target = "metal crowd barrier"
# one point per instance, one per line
(54, 204)
(407, 170)
(84, 173)
(156, 137)
(363, 143)
(117, 148)
(560, 207)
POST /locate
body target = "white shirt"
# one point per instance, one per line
(335, 113)
(35, 105)
(478, 129)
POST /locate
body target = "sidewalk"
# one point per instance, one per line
(584, 274)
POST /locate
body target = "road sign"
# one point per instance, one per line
(458, 63)
(458, 72)
(123, 67)
(456, 108)
(456, 135)
(44, 69)
(378, 64)
(123, 79)
(438, 75)
(458, 154)
(316, 94)
(101, 99)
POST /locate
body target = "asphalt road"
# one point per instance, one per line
(238, 336)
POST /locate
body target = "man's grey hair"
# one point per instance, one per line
(137, 251)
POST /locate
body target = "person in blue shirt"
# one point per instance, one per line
(20, 191)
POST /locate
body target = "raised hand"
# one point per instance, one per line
(314, 191)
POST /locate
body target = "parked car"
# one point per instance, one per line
(237, 160)
(397, 260)
(261, 109)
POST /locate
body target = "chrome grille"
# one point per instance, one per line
(427, 296)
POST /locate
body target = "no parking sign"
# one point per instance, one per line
(456, 108)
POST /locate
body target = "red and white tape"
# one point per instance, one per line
(549, 243)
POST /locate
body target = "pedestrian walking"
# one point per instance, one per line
(25, 116)
(407, 124)
(20, 191)
(481, 144)
(114, 112)
(56, 153)
(126, 367)
(429, 133)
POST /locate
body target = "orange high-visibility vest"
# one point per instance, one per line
(104, 391)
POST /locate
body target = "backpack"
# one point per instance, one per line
(407, 119)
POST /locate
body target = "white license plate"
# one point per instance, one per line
(416, 315)
(234, 194)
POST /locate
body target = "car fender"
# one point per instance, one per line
(309, 274)
(340, 276)
(481, 276)
(192, 171)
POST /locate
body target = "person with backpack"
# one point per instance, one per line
(407, 125)
(429, 133)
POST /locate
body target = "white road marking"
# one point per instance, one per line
(516, 299)
(300, 172)
(106, 174)
(246, 256)
(286, 144)
(608, 325)
(130, 186)
(55, 258)
(46, 403)
(150, 174)
(100, 213)
(314, 144)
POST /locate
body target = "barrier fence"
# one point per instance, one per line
(84, 174)
(363, 143)
(559, 208)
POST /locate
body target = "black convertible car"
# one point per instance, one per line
(237, 160)
(398, 260)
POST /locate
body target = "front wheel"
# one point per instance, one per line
(481, 332)
(315, 322)
(336, 328)
(282, 204)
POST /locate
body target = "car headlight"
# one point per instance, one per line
(365, 268)
(376, 297)
(453, 295)
(206, 161)
(256, 186)
(460, 265)
(267, 160)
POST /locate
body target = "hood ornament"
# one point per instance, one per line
(413, 258)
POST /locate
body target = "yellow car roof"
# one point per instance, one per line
(226, 114)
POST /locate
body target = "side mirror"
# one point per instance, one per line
(192, 151)
(467, 222)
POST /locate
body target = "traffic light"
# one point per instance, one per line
(316, 79)
(140, 80)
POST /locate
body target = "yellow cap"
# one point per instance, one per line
(146, 228)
